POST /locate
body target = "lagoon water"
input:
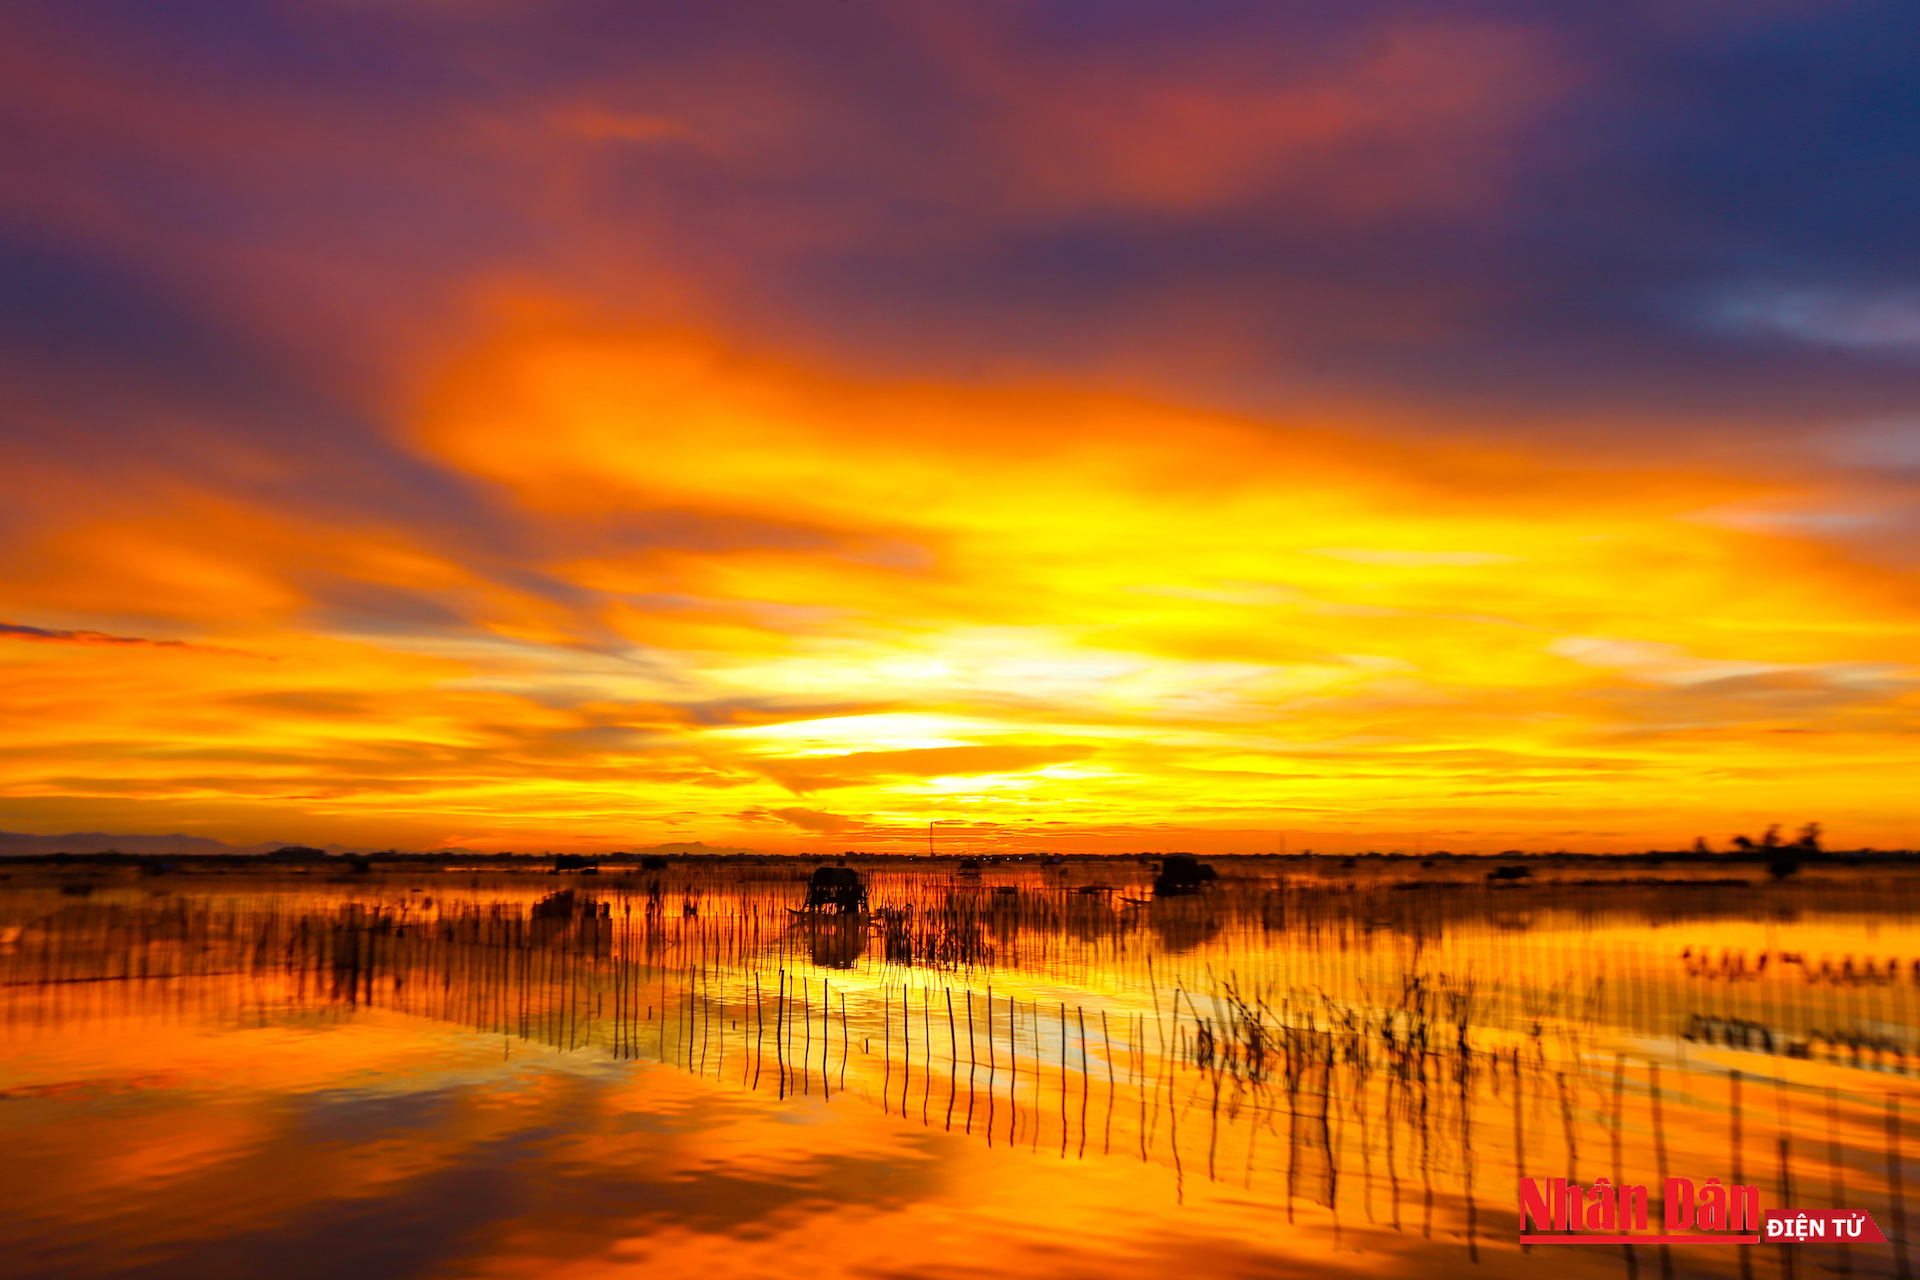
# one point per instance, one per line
(1303, 1070)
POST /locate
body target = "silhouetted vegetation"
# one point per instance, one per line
(1359, 1036)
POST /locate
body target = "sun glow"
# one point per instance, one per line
(760, 604)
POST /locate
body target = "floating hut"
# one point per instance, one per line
(837, 889)
(1181, 873)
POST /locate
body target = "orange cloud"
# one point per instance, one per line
(818, 773)
(735, 582)
(806, 819)
(42, 635)
(1417, 117)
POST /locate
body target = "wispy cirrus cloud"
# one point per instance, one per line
(46, 635)
(1864, 318)
(813, 820)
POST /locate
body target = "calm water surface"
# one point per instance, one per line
(1025, 1073)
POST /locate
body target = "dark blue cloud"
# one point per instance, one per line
(848, 180)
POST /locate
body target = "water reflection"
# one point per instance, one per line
(402, 1074)
(834, 942)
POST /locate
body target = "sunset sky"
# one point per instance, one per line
(1080, 425)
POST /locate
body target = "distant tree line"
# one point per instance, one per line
(1785, 856)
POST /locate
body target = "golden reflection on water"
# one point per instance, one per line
(669, 1073)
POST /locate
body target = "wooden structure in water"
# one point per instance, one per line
(836, 889)
(1181, 874)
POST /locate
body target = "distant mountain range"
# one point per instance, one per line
(15, 844)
